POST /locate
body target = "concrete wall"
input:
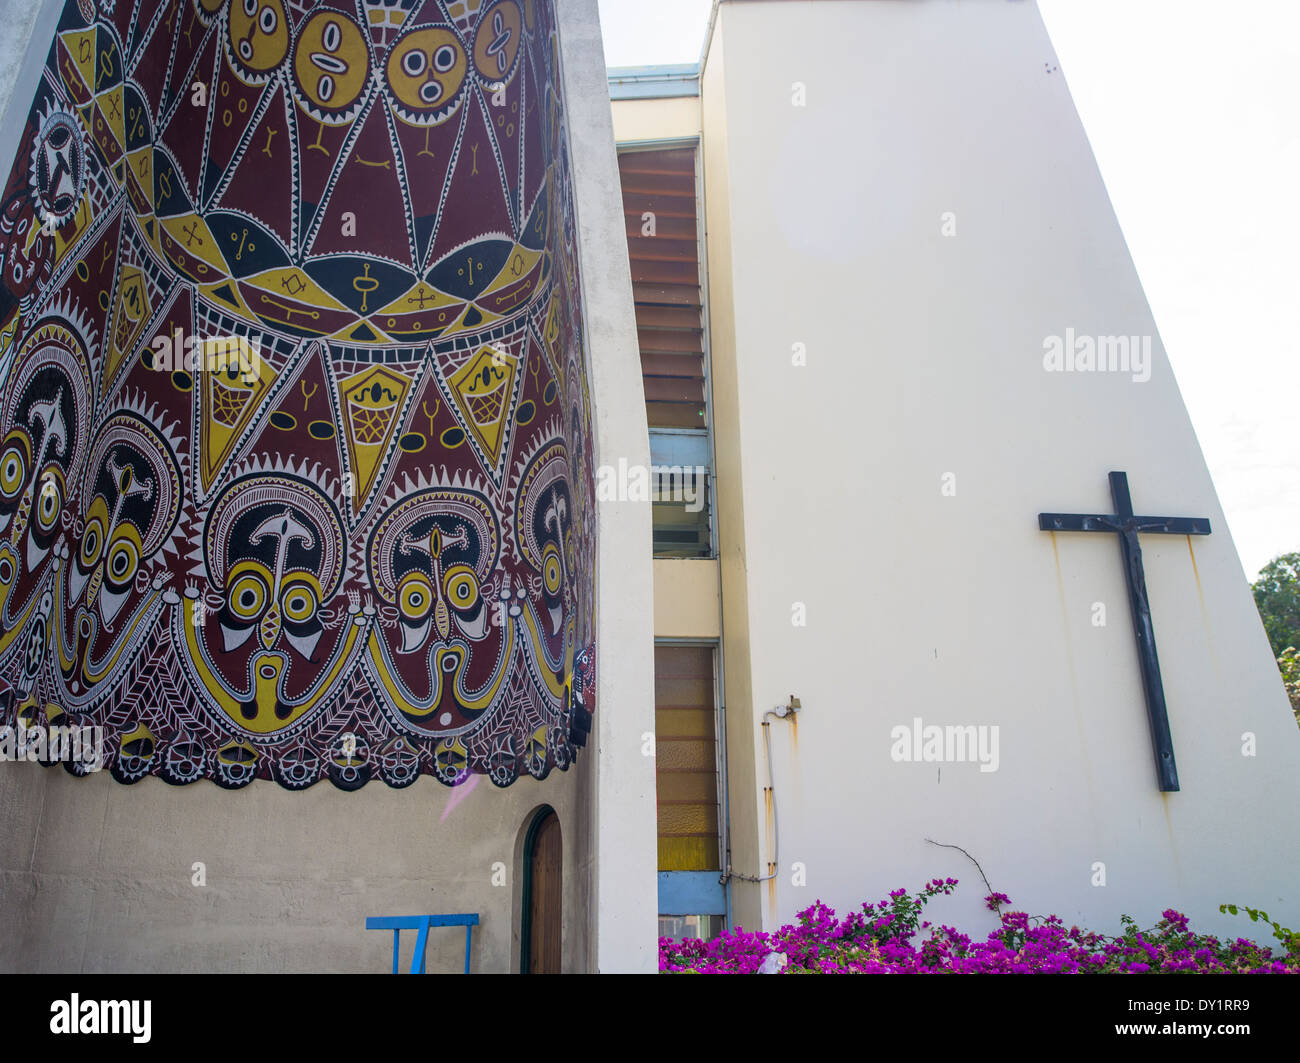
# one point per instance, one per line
(28, 29)
(836, 137)
(95, 876)
(99, 877)
(625, 837)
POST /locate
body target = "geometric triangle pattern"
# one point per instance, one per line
(295, 431)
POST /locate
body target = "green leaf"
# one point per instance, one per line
(1277, 596)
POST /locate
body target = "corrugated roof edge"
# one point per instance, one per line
(653, 82)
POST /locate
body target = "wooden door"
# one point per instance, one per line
(545, 897)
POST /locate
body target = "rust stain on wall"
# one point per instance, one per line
(1205, 612)
(770, 833)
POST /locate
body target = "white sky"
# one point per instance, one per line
(1193, 111)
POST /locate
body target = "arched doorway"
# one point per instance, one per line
(540, 930)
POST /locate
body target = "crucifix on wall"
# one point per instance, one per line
(1128, 527)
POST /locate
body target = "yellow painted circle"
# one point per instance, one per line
(123, 556)
(247, 596)
(298, 602)
(552, 571)
(258, 34)
(461, 586)
(425, 71)
(49, 498)
(92, 539)
(497, 42)
(330, 62)
(415, 596)
(13, 468)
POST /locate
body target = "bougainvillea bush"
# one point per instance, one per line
(882, 938)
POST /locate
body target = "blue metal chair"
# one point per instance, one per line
(421, 923)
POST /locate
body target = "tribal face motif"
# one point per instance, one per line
(331, 66)
(132, 493)
(275, 556)
(45, 426)
(431, 557)
(545, 530)
(497, 41)
(424, 72)
(295, 442)
(257, 37)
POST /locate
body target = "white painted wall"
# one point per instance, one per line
(924, 358)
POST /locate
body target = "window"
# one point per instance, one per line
(680, 483)
(680, 927)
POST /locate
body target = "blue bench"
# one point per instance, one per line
(421, 923)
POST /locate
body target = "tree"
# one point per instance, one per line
(1277, 596)
(1289, 662)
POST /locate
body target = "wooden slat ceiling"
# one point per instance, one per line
(666, 283)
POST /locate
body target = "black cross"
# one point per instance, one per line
(1127, 527)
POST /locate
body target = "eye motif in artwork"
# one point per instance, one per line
(274, 599)
(44, 432)
(276, 551)
(432, 556)
(132, 503)
(545, 526)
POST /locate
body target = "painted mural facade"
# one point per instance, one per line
(295, 436)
